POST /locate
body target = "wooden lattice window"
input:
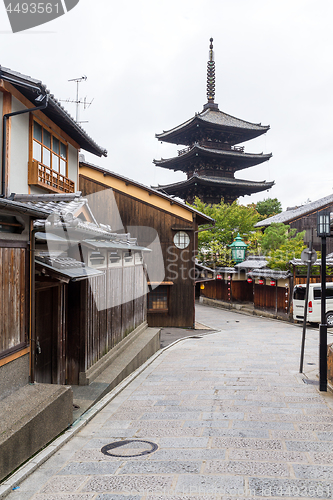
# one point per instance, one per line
(158, 299)
(48, 148)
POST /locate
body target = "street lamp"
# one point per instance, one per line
(238, 249)
(323, 230)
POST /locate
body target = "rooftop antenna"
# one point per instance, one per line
(77, 101)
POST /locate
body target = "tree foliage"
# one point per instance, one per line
(281, 244)
(230, 219)
(269, 207)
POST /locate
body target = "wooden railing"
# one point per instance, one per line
(43, 176)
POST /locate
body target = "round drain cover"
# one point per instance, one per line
(129, 448)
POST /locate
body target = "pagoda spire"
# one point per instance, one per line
(211, 78)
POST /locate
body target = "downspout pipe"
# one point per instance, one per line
(41, 98)
(32, 304)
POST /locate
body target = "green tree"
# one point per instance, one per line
(230, 219)
(281, 244)
(276, 235)
(269, 207)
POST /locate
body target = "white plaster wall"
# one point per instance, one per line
(19, 154)
(19, 150)
(73, 165)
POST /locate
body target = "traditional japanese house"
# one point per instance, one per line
(303, 218)
(90, 289)
(211, 156)
(63, 306)
(167, 226)
(30, 415)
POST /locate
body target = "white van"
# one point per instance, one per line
(314, 303)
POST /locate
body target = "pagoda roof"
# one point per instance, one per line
(241, 160)
(239, 130)
(240, 185)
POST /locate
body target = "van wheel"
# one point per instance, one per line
(329, 318)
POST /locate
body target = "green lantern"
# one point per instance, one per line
(238, 249)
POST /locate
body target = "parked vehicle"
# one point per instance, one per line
(314, 303)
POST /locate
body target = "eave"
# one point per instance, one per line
(30, 88)
(240, 185)
(237, 159)
(235, 129)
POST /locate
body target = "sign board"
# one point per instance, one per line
(308, 257)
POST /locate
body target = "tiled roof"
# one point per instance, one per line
(269, 273)
(67, 210)
(149, 189)
(248, 159)
(31, 88)
(22, 208)
(253, 262)
(217, 117)
(223, 181)
(221, 118)
(296, 213)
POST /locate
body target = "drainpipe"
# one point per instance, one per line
(32, 303)
(43, 98)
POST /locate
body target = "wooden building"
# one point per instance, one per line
(211, 156)
(167, 226)
(90, 289)
(304, 218)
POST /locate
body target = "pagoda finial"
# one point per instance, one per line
(211, 74)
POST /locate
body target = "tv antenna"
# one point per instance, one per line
(78, 101)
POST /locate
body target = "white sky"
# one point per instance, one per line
(146, 66)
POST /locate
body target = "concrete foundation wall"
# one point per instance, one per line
(30, 418)
(13, 376)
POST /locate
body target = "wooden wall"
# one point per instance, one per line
(179, 266)
(102, 311)
(308, 222)
(14, 295)
(271, 298)
(240, 291)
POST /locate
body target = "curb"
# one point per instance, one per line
(31, 465)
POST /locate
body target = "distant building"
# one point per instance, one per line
(211, 157)
(303, 218)
(148, 214)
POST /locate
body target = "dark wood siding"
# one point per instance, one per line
(102, 311)
(239, 291)
(14, 297)
(179, 264)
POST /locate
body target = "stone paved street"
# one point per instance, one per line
(229, 413)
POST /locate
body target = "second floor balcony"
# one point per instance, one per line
(44, 177)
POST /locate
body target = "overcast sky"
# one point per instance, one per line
(146, 67)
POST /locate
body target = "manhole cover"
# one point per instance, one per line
(129, 448)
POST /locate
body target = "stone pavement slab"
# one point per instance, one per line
(229, 414)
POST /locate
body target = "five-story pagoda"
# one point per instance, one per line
(211, 157)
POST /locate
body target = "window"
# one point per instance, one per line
(49, 149)
(128, 258)
(299, 293)
(158, 299)
(115, 258)
(317, 293)
(181, 239)
(97, 259)
(138, 259)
